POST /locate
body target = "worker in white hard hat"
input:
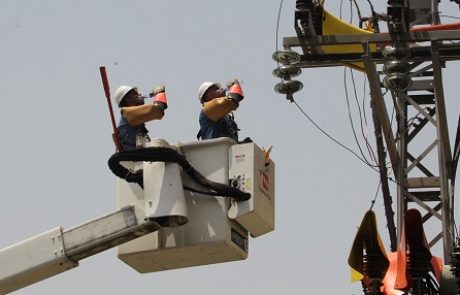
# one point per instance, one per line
(216, 117)
(135, 113)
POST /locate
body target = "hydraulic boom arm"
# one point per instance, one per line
(58, 250)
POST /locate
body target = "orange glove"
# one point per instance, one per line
(159, 97)
(235, 92)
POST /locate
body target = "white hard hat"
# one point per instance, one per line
(203, 88)
(121, 92)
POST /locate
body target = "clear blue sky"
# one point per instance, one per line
(57, 135)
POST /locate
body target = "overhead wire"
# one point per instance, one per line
(350, 118)
(365, 94)
(278, 24)
(455, 160)
(365, 136)
(376, 195)
(392, 120)
(303, 112)
(364, 101)
(366, 124)
(314, 123)
(340, 9)
(371, 152)
(368, 146)
(371, 5)
(361, 111)
(360, 16)
(332, 138)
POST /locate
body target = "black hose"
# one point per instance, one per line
(168, 155)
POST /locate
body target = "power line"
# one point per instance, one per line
(278, 25)
(351, 119)
(332, 138)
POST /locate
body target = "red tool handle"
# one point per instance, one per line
(105, 83)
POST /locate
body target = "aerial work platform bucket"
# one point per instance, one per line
(209, 236)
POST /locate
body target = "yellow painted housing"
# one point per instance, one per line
(335, 26)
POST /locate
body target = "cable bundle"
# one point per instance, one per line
(160, 154)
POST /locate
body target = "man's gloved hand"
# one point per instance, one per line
(235, 92)
(159, 97)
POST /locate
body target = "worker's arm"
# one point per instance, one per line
(217, 108)
(136, 115)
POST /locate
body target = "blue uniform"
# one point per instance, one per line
(128, 133)
(225, 127)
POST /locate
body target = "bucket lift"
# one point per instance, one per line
(167, 218)
(217, 229)
(408, 62)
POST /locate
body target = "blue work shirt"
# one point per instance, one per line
(225, 127)
(128, 133)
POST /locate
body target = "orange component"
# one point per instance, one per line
(236, 88)
(450, 26)
(161, 97)
(388, 282)
(397, 279)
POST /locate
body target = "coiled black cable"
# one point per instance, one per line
(168, 155)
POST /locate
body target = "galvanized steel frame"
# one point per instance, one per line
(433, 186)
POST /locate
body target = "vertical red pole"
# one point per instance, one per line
(105, 83)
